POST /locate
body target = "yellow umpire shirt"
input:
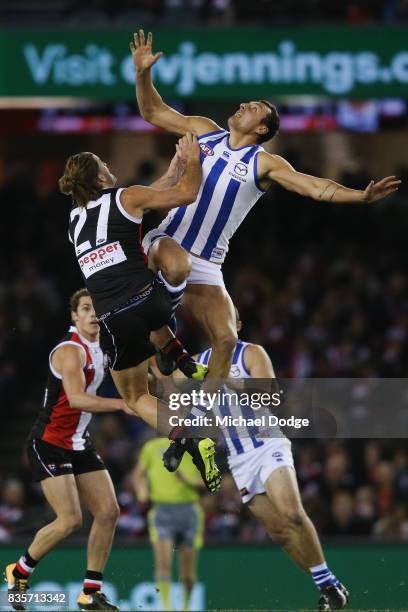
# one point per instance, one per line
(166, 487)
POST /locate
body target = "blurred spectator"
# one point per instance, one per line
(337, 473)
(11, 507)
(365, 507)
(344, 519)
(394, 525)
(400, 460)
(384, 478)
(224, 524)
(132, 521)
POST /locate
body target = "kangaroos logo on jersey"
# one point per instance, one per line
(206, 149)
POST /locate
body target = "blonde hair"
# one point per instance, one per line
(80, 178)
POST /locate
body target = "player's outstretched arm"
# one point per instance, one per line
(68, 361)
(151, 105)
(137, 199)
(273, 168)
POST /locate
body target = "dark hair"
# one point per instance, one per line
(80, 178)
(76, 298)
(271, 121)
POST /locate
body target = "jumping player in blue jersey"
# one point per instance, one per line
(264, 473)
(236, 172)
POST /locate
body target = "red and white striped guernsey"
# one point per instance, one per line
(58, 423)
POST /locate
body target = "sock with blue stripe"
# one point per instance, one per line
(176, 292)
(322, 576)
(173, 324)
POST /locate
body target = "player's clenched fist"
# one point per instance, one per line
(143, 57)
(188, 148)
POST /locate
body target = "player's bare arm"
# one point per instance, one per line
(137, 199)
(257, 362)
(151, 105)
(68, 362)
(273, 168)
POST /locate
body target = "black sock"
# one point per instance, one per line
(176, 351)
(93, 582)
(29, 560)
(177, 433)
(27, 565)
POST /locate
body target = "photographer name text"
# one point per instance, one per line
(239, 421)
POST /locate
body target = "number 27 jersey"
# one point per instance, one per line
(107, 242)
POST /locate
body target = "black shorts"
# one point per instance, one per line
(48, 460)
(125, 332)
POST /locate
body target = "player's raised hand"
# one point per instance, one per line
(143, 56)
(188, 148)
(176, 168)
(376, 191)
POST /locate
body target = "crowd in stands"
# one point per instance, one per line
(323, 288)
(198, 12)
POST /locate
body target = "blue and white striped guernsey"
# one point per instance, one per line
(228, 191)
(243, 439)
(238, 367)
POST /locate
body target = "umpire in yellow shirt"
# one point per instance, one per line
(175, 519)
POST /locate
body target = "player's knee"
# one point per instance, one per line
(278, 535)
(69, 523)
(176, 269)
(108, 514)
(293, 518)
(225, 340)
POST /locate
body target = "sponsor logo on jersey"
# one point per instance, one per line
(234, 372)
(206, 149)
(217, 253)
(226, 154)
(277, 455)
(241, 169)
(99, 259)
(239, 172)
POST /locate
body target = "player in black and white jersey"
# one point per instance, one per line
(129, 299)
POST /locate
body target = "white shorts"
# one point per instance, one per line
(252, 468)
(203, 272)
